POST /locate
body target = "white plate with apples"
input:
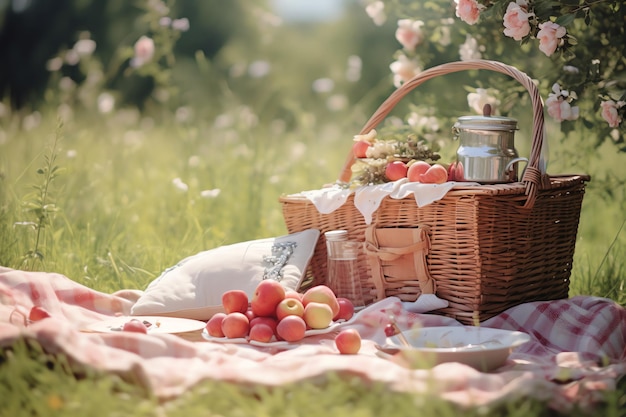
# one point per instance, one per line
(335, 326)
(277, 318)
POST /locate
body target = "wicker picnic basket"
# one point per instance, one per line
(482, 248)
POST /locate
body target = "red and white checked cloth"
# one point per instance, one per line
(577, 352)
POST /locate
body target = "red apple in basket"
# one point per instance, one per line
(346, 309)
(321, 294)
(359, 149)
(261, 333)
(348, 341)
(291, 329)
(452, 172)
(436, 174)
(459, 173)
(289, 307)
(214, 325)
(395, 170)
(267, 295)
(235, 301)
(317, 315)
(416, 169)
(235, 325)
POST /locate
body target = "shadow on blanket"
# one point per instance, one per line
(577, 348)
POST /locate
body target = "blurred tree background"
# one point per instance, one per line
(32, 32)
(233, 39)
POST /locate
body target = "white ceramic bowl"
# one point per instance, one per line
(482, 348)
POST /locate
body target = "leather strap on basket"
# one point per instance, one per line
(406, 258)
(534, 177)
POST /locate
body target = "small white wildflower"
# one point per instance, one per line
(54, 64)
(165, 21)
(368, 137)
(67, 84)
(477, 100)
(337, 102)
(353, 72)
(259, 69)
(323, 85)
(274, 179)
(298, 150)
(71, 57)
(381, 149)
(210, 193)
(184, 114)
(470, 49)
(106, 103)
(181, 25)
(570, 69)
(31, 121)
(376, 11)
(193, 161)
(224, 121)
(85, 47)
(424, 123)
(180, 185)
(71, 153)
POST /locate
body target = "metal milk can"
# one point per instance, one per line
(486, 152)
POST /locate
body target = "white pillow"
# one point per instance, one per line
(193, 288)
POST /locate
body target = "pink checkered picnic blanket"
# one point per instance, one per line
(577, 351)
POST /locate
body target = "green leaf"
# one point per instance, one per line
(565, 19)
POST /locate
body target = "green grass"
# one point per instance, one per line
(119, 220)
(33, 383)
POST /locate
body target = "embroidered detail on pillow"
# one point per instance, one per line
(193, 288)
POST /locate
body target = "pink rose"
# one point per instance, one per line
(409, 33)
(558, 104)
(549, 36)
(468, 10)
(516, 21)
(610, 114)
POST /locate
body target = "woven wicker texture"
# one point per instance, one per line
(491, 246)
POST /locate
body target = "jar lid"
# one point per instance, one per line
(486, 123)
(336, 235)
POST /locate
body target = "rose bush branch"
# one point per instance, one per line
(576, 49)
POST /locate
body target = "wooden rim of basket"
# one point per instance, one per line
(534, 177)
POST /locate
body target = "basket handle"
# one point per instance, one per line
(533, 178)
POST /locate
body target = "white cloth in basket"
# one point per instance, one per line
(367, 199)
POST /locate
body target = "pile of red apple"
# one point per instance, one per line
(274, 313)
(414, 170)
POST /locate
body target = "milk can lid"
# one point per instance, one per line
(486, 123)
